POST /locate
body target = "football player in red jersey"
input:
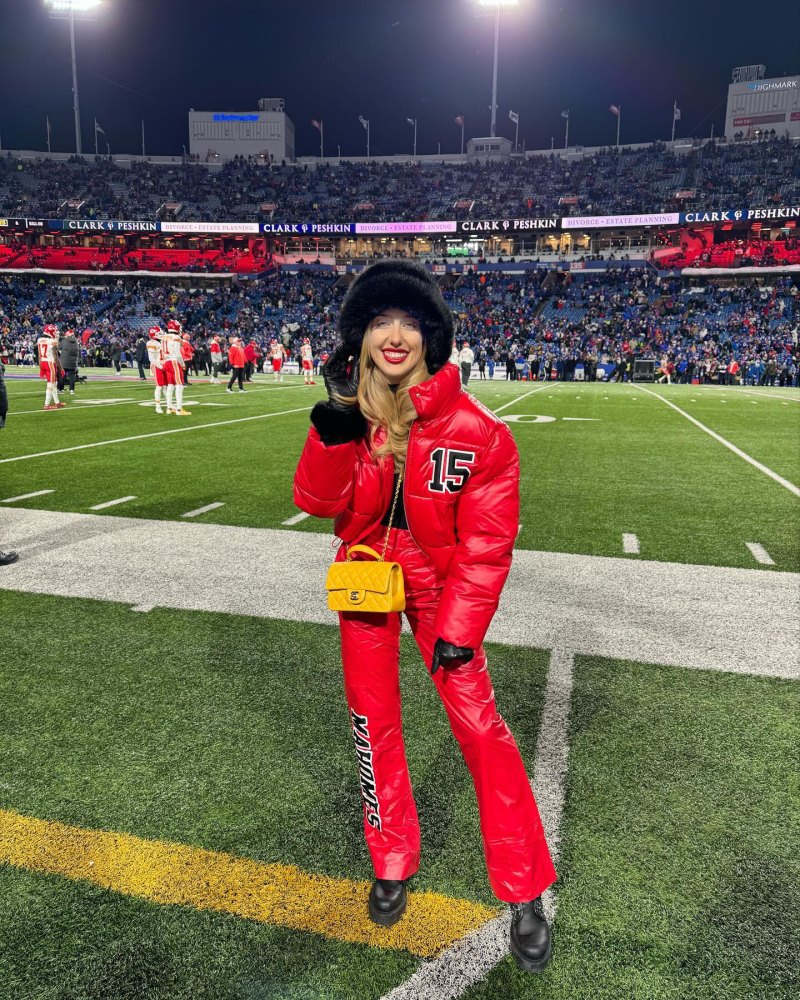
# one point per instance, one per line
(47, 350)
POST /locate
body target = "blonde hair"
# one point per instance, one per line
(382, 407)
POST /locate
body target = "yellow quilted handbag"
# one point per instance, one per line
(367, 586)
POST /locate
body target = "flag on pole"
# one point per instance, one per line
(514, 117)
(411, 121)
(565, 114)
(48, 126)
(614, 109)
(460, 120)
(316, 124)
(97, 128)
(363, 121)
(676, 113)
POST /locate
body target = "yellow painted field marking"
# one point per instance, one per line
(281, 895)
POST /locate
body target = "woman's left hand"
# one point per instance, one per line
(446, 655)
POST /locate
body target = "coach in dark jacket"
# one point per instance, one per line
(141, 355)
(68, 355)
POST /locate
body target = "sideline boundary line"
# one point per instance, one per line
(731, 447)
(141, 437)
(471, 959)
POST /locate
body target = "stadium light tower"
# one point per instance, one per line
(70, 9)
(497, 6)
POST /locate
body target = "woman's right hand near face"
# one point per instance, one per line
(341, 374)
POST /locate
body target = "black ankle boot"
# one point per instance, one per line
(387, 901)
(530, 935)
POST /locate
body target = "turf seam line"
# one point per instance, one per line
(154, 434)
(468, 961)
(731, 447)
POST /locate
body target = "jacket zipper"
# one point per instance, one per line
(405, 481)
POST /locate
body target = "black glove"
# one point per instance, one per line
(446, 655)
(341, 377)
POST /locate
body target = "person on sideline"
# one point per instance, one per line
(465, 360)
(399, 452)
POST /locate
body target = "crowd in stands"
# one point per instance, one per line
(536, 324)
(18, 256)
(737, 253)
(716, 175)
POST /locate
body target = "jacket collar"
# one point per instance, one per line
(436, 394)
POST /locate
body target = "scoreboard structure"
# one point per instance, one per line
(756, 105)
(220, 135)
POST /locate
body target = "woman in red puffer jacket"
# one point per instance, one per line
(398, 435)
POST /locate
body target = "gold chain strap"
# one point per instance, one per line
(391, 516)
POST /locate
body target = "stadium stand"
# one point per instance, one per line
(715, 175)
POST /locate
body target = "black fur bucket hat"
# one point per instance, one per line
(399, 284)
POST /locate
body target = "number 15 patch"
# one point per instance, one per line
(450, 470)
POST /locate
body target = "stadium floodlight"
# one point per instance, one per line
(497, 6)
(72, 9)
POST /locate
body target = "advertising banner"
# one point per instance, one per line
(209, 227)
(104, 225)
(612, 221)
(382, 228)
(759, 120)
(309, 228)
(501, 226)
(742, 214)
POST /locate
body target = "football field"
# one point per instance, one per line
(179, 808)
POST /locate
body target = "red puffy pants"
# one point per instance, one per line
(517, 857)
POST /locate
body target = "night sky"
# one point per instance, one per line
(388, 60)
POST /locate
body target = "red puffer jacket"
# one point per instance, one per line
(461, 495)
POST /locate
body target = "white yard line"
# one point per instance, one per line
(202, 510)
(630, 544)
(518, 399)
(77, 404)
(111, 503)
(154, 434)
(296, 519)
(732, 447)
(760, 554)
(771, 395)
(26, 496)
(472, 958)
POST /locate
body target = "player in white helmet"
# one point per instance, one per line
(47, 350)
(277, 354)
(307, 362)
(154, 340)
(174, 368)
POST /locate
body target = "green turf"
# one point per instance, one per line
(228, 733)
(635, 466)
(680, 873)
(681, 833)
